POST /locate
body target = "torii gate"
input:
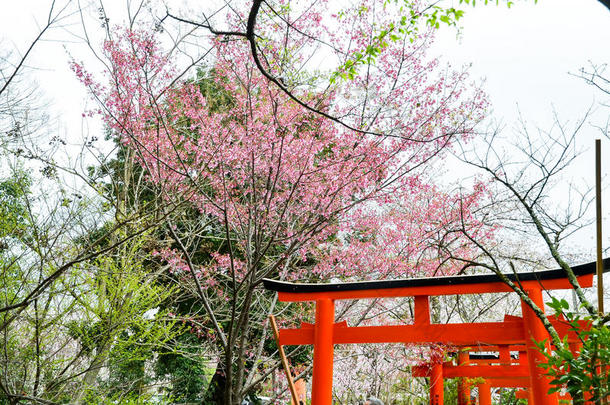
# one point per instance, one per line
(325, 333)
(500, 370)
(496, 370)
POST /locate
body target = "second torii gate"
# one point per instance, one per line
(500, 370)
(325, 333)
(497, 370)
(493, 370)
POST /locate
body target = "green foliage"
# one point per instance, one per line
(217, 97)
(94, 397)
(120, 323)
(585, 371)
(450, 391)
(14, 234)
(508, 397)
(13, 206)
(89, 335)
(407, 26)
(106, 310)
(185, 367)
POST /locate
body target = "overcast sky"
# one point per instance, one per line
(526, 53)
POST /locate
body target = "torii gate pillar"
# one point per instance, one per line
(323, 352)
(437, 384)
(463, 386)
(535, 331)
(484, 393)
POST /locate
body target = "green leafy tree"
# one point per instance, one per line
(121, 323)
(13, 225)
(584, 374)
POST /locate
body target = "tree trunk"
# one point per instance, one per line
(94, 370)
(215, 393)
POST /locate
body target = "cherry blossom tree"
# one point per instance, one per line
(279, 190)
(412, 229)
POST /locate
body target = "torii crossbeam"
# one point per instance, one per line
(325, 333)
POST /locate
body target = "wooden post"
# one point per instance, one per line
(535, 331)
(598, 212)
(598, 220)
(285, 364)
(323, 351)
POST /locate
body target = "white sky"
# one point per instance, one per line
(527, 52)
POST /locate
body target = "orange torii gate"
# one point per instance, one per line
(325, 333)
(497, 370)
(500, 369)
